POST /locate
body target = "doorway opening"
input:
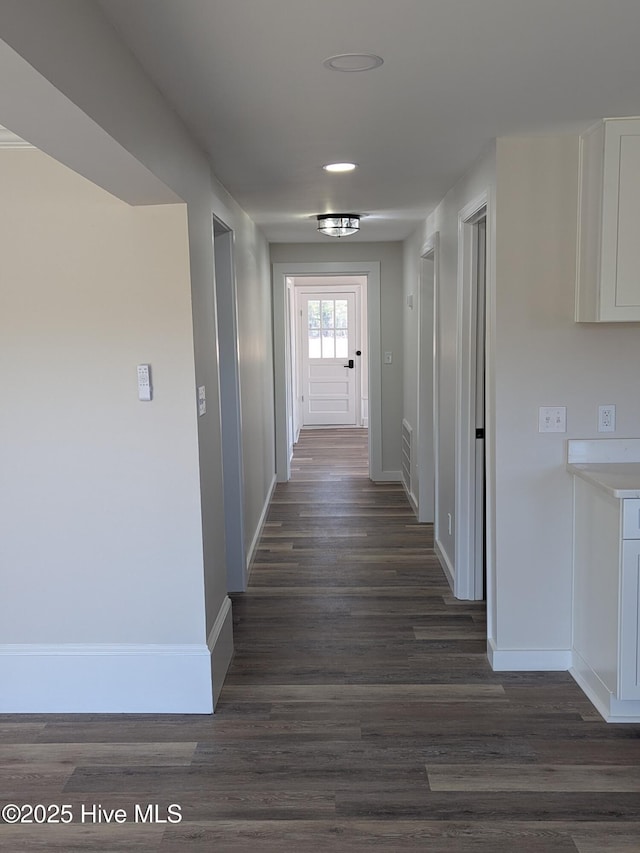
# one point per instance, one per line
(230, 406)
(288, 352)
(471, 504)
(480, 519)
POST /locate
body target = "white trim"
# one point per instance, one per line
(8, 139)
(106, 678)
(280, 361)
(295, 415)
(370, 269)
(260, 526)
(612, 710)
(528, 660)
(490, 418)
(218, 625)
(226, 306)
(443, 559)
(314, 427)
(602, 450)
(427, 451)
(98, 649)
(432, 246)
(389, 477)
(220, 646)
(410, 498)
(408, 455)
(465, 575)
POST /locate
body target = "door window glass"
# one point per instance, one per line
(327, 328)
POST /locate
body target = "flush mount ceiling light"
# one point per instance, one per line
(338, 224)
(353, 62)
(340, 167)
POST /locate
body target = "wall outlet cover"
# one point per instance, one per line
(552, 419)
(607, 418)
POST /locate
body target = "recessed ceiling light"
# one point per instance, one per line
(353, 62)
(340, 167)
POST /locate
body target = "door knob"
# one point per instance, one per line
(351, 363)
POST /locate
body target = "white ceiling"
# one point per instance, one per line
(247, 78)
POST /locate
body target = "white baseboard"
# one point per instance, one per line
(612, 710)
(447, 568)
(388, 477)
(258, 531)
(528, 660)
(220, 645)
(410, 497)
(105, 678)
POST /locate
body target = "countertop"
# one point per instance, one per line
(619, 479)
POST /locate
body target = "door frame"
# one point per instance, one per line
(428, 383)
(281, 335)
(230, 406)
(468, 575)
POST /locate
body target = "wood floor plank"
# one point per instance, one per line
(363, 837)
(403, 802)
(540, 777)
(78, 837)
(77, 754)
(19, 732)
(607, 843)
(368, 692)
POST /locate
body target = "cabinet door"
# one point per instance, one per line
(608, 283)
(629, 673)
(620, 283)
(631, 518)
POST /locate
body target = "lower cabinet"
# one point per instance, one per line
(606, 600)
(629, 680)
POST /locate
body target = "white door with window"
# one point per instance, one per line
(329, 363)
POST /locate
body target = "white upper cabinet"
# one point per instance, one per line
(608, 273)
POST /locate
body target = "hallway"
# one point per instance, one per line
(376, 720)
(359, 714)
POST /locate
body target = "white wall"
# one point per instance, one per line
(101, 533)
(389, 255)
(99, 500)
(80, 95)
(253, 277)
(544, 358)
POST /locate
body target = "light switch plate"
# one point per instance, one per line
(202, 400)
(552, 419)
(145, 391)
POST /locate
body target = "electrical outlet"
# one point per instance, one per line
(607, 418)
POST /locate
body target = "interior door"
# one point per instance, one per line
(329, 369)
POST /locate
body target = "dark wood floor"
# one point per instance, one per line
(359, 714)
